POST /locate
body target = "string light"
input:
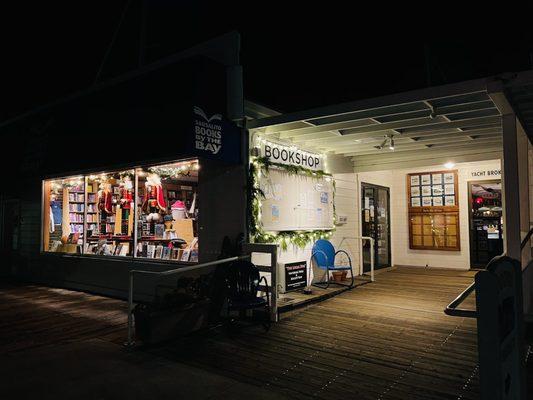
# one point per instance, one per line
(297, 238)
(173, 170)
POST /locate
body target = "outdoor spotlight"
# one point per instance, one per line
(391, 144)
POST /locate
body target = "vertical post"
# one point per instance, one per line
(135, 207)
(130, 341)
(45, 216)
(500, 330)
(84, 226)
(511, 197)
(274, 283)
(522, 144)
(371, 260)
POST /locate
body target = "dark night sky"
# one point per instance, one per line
(293, 58)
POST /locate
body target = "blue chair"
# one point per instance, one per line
(324, 255)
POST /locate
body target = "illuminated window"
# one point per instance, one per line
(147, 212)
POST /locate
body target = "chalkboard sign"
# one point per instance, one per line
(295, 275)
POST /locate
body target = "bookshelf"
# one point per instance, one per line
(76, 210)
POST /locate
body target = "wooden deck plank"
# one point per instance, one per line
(386, 340)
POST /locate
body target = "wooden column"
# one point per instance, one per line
(511, 189)
(46, 216)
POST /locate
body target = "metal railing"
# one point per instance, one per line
(451, 309)
(526, 239)
(180, 270)
(360, 258)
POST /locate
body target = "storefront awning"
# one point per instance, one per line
(519, 91)
(458, 121)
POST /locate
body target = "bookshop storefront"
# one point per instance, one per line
(143, 173)
(420, 173)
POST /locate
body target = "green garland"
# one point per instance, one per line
(170, 172)
(255, 194)
(265, 163)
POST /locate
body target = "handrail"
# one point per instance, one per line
(130, 341)
(371, 252)
(524, 241)
(451, 309)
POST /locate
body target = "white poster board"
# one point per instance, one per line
(295, 202)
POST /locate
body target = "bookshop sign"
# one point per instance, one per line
(291, 155)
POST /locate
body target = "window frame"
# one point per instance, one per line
(84, 176)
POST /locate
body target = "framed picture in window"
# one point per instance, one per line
(415, 202)
(437, 190)
(426, 190)
(449, 200)
(415, 180)
(425, 179)
(426, 202)
(437, 201)
(415, 191)
(449, 189)
(449, 177)
(436, 179)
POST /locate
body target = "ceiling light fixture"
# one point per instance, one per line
(390, 140)
(449, 165)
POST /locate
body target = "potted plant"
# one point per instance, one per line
(337, 276)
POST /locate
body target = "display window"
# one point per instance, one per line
(149, 212)
(167, 212)
(109, 216)
(64, 214)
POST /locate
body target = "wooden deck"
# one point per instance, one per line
(36, 316)
(385, 340)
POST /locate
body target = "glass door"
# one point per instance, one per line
(375, 217)
(486, 227)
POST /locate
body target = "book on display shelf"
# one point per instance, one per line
(150, 251)
(159, 230)
(194, 255)
(158, 251)
(185, 255)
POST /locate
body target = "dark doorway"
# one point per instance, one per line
(375, 217)
(486, 226)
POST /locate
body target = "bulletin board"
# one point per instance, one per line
(296, 201)
(433, 204)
